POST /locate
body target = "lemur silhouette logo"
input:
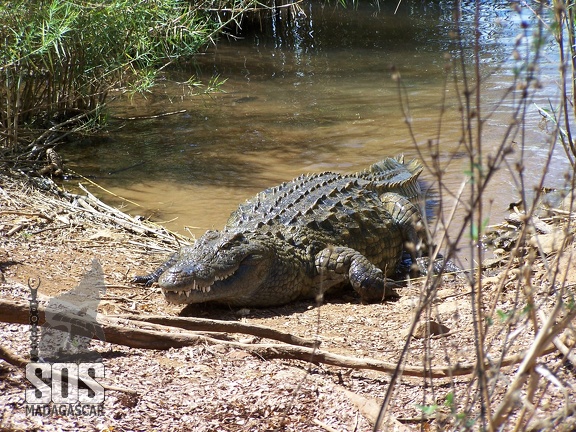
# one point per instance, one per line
(71, 322)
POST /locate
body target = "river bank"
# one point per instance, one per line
(53, 236)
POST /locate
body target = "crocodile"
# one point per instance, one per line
(303, 238)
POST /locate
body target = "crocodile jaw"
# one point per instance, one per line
(197, 282)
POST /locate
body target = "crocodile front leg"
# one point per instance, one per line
(150, 278)
(339, 264)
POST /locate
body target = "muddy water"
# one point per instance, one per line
(309, 94)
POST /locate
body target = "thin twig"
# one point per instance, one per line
(151, 116)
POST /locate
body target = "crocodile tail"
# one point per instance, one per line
(395, 175)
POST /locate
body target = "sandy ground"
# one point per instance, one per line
(215, 387)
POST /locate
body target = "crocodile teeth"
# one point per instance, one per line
(196, 286)
(225, 275)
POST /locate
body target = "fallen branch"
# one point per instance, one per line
(16, 229)
(203, 324)
(318, 356)
(324, 426)
(12, 358)
(370, 409)
(133, 334)
(155, 332)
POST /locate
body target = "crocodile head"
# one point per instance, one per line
(222, 266)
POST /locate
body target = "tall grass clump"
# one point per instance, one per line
(61, 58)
(527, 310)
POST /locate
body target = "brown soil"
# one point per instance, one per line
(217, 388)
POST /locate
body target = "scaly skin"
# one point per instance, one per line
(302, 238)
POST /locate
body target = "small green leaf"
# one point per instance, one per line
(504, 316)
(527, 308)
(570, 303)
(427, 409)
(449, 401)
(474, 232)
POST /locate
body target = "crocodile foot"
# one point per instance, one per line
(339, 264)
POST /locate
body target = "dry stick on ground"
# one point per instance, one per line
(149, 335)
(26, 213)
(153, 336)
(95, 206)
(203, 324)
(12, 358)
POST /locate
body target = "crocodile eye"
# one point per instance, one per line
(238, 238)
(234, 240)
(211, 234)
(209, 237)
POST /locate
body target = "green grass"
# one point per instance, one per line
(61, 58)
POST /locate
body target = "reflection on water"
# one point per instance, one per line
(307, 94)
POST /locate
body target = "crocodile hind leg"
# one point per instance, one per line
(150, 278)
(340, 264)
(408, 218)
